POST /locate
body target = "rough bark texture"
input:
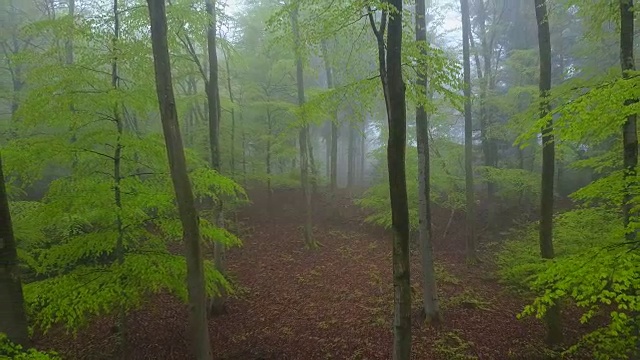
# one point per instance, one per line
(396, 147)
(554, 330)
(303, 137)
(468, 133)
(201, 346)
(629, 129)
(13, 320)
(430, 307)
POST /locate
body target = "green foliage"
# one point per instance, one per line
(514, 185)
(10, 351)
(447, 184)
(102, 238)
(593, 269)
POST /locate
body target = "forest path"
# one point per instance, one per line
(335, 302)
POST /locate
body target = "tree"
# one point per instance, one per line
(393, 88)
(215, 110)
(180, 179)
(554, 334)
(430, 305)
(629, 128)
(303, 136)
(468, 133)
(13, 320)
(333, 148)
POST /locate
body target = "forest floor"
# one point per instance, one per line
(335, 302)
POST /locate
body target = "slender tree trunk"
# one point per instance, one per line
(629, 128)
(351, 157)
(629, 140)
(554, 329)
(363, 151)
(468, 134)
(398, 186)
(303, 137)
(430, 306)
(117, 173)
(488, 144)
(201, 346)
(13, 320)
(390, 67)
(213, 100)
(312, 162)
(333, 168)
(268, 159)
(233, 113)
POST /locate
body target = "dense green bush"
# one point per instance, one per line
(10, 351)
(593, 269)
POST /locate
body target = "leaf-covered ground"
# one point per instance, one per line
(332, 303)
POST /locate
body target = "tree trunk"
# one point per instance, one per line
(430, 307)
(351, 157)
(333, 168)
(488, 145)
(268, 159)
(213, 101)
(468, 135)
(390, 68)
(182, 187)
(233, 113)
(363, 151)
(117, 176)
(629, 128)
(554, 330)
(13, 320)
(303, 137)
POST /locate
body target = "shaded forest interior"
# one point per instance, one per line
(313, 179)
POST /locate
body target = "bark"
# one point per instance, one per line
(468, 134)
(430, 306)
(213, 93)
(390, 67)
(13, 320)
(201, 346)
(554, 330)
(396, 148)
(233, 113)
(629, 128)
(217, 305)
(268, 159)
(303, 137)
(363, 151)
(488, 145)
(351, 157)
(333, 168)
(117, 172)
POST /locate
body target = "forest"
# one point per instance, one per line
(319, 179)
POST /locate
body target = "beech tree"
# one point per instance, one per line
(554, 334)
(393, 87)
(629, 128)
(303, 136)
(468, 133)
(430, 306)
(182, 187)
(13, 320)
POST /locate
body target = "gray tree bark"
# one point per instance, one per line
(201, 346)
(430, 306)
(468, 134)
(13, 320)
